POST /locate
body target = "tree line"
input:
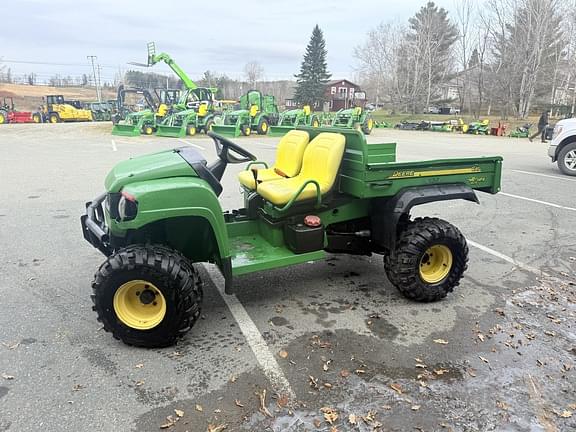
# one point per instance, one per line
(510, 57)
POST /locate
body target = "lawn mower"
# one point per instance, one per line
(354, 118)
(9, 115)
(382, 124)
(479, 127)
(521, 131)
(327, 192)
(56, 109)
(257, 112)
(439, 126)
(291, 119)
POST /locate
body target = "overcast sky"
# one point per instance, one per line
(217, 35)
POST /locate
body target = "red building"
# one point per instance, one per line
(339, 94)
(342, 94)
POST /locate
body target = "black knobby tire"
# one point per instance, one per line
(403, 268)
(208, 126)
(368, 125)
(245, 130)
(170, 272)
(37, 118)
(263, 126)
(568, 149)
(54, 118)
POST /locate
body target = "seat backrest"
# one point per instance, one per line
(322, 159)
(290, 152)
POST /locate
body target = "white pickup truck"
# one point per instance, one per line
(563, 146)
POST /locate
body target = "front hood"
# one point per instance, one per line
(148, 167)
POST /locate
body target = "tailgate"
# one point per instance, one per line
(387, 178)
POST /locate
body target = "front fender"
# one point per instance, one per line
(175, 197)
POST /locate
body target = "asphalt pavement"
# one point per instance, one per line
(325, 346)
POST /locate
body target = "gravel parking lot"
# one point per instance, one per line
(320, 346)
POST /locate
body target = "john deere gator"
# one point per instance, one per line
(257, 113)
(327, 192)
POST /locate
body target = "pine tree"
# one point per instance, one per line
(313, 76)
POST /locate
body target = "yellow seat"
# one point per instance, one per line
(321, 162)
(288, 160)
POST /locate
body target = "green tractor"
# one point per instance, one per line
(354, 118)
(133, 121)
(292, 119)
(328, 192)
(481, 127)
(257, 112)
(196, 112)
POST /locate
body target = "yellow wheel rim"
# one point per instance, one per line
(264, 127)
(139, 305)
(2, 119)
(315, 123)
(370, 124)
(53, 119)
(148, 131)
(435, 264)
(36, 119)
(192, 131)
(247, 131)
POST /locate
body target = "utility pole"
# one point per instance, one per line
(99, 68)
(92, 58)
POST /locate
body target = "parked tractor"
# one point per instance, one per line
(56, 109)
(8, 113)
(257, 113)
(354, 118)
(101, 111)
(292, 119)
(328, 192)
(142, 118)
(196, 112)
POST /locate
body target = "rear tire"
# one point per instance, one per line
(208, 126)
(37, 118)
(368, 125)
(191, 130)
(567, 159)
(166, 270)
(147, 130)
(3, 117)
(430, 259)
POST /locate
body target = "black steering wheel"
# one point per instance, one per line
(224, 146)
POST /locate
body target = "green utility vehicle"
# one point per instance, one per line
(132, 120)
(257, 112)
(328, 192)
(292, 119)
(354, 118)
(195, 112)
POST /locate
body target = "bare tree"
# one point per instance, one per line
(465, 45)
(253, 72)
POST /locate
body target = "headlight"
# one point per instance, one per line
(557, 131)
(127, 207)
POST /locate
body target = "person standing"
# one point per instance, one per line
(542, 125)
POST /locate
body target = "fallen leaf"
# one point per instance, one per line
(352, 419)
(283, 354)
(572, 406)
(262, 398)
(481, 337)
(369, 418)
(415, 407)
(139, 366)
(386, 407)
(77, 387)
(499, 311)
(333, 429)
(179, 413)
(417, 360)
(7, 377)
(170, 421)
(485, 360)
(325, 367)
(139, 383)
(344, 373)
(330, 414)
(441, 341)
(565, 414)
(317, 423)
(550, 333)
(313, 381)
(440, 371)
(233, 378)
(199, 408)
(397, 388)
(502, 405)
(282, 401)
(238, 403)
(219, 428)
(471, 372)
(360, 371)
